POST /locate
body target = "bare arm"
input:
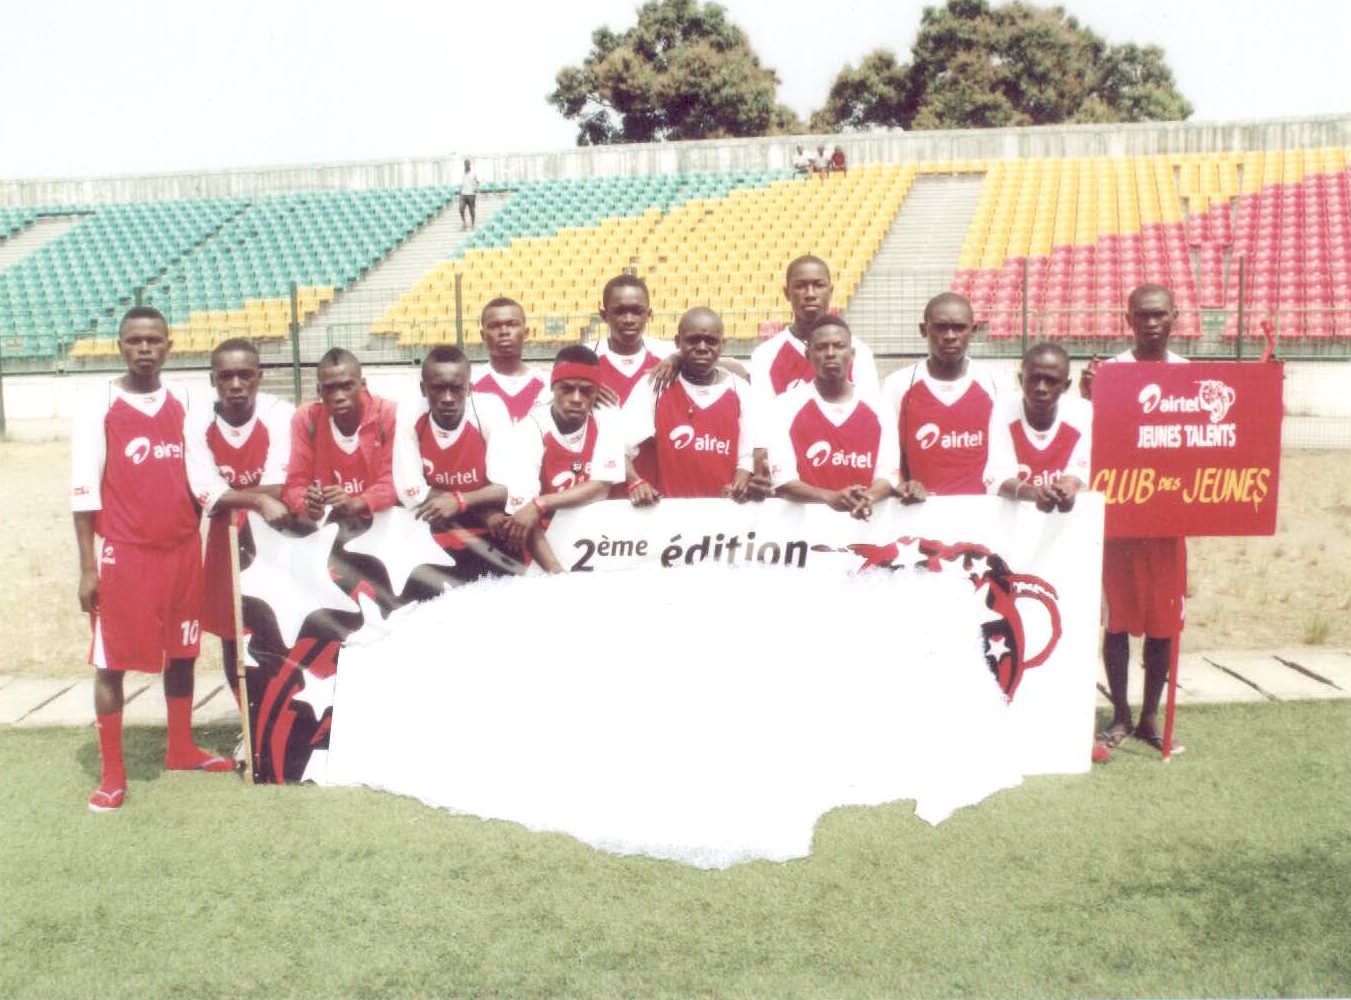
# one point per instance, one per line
(88, 589)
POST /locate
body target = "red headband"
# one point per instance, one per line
(573, 369)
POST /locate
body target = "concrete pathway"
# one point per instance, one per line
(1297, 673)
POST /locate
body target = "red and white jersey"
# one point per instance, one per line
(831, 445)
(1020, 451)
(701, 434)
(780, 363)
(223, 457)
(622, 372)
(943, 426)
(468, 457)
(518, 392)
(544, 459)
(127, 464)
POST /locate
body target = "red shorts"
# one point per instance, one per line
(218, 603)
(149, 606)
(1144, 583)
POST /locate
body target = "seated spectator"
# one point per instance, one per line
(802, 162)
(837, 161)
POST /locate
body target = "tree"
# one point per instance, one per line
(684, 71)
(974, 66)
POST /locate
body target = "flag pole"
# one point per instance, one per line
(238, 665)
(1174, 651)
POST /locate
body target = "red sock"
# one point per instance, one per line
(110, 749)
(179, 711)
(182, 753)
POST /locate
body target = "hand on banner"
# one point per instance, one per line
(439, 507)
(911, 491)
(642, 493)
(272, 510)
(342, 504)
(314, 502)
(739, 489)
(1063, 492)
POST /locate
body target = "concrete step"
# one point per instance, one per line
(916, 261)
(347, 320)
(34, 237)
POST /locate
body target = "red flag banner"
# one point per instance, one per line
(1188, 449)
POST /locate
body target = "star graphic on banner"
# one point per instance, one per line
(317, 692)
(980, 565)
(402, 543)
(373, 626)
(908, 553)
(997, 647)
(290, 575)
(986, 614)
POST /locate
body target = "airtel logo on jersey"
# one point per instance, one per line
(929, 435)
(463, 477)
(820, 454)
(567, 479)
(139, 449)
(251, 477)
(682, 437)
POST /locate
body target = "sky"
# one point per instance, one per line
(92, 88)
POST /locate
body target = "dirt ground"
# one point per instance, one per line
(1246, 593)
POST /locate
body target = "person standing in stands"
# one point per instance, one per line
(700, 428)
(1144, 580)
(503, 329)
(141, 582)
(468, 195)
(942, 404)
(342, 446)
(830, 442)
(237, 453)
(562, 455)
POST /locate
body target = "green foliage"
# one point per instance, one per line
(684, 71)
(974, 66)
(1224, 872)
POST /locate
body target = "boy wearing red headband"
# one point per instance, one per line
(563, 456)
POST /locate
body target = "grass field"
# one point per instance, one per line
(204, 888)
(1246, 593)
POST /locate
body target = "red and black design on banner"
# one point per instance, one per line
(1188, 449)
(1012, 644)
(290, 684)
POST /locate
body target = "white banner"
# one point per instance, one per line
(711, 678)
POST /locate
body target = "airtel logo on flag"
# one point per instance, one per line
(819, 453)
(1213, 398)
(139, 449)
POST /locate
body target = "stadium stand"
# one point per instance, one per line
(1088, 230)
(1267, 229)
(700, 238)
